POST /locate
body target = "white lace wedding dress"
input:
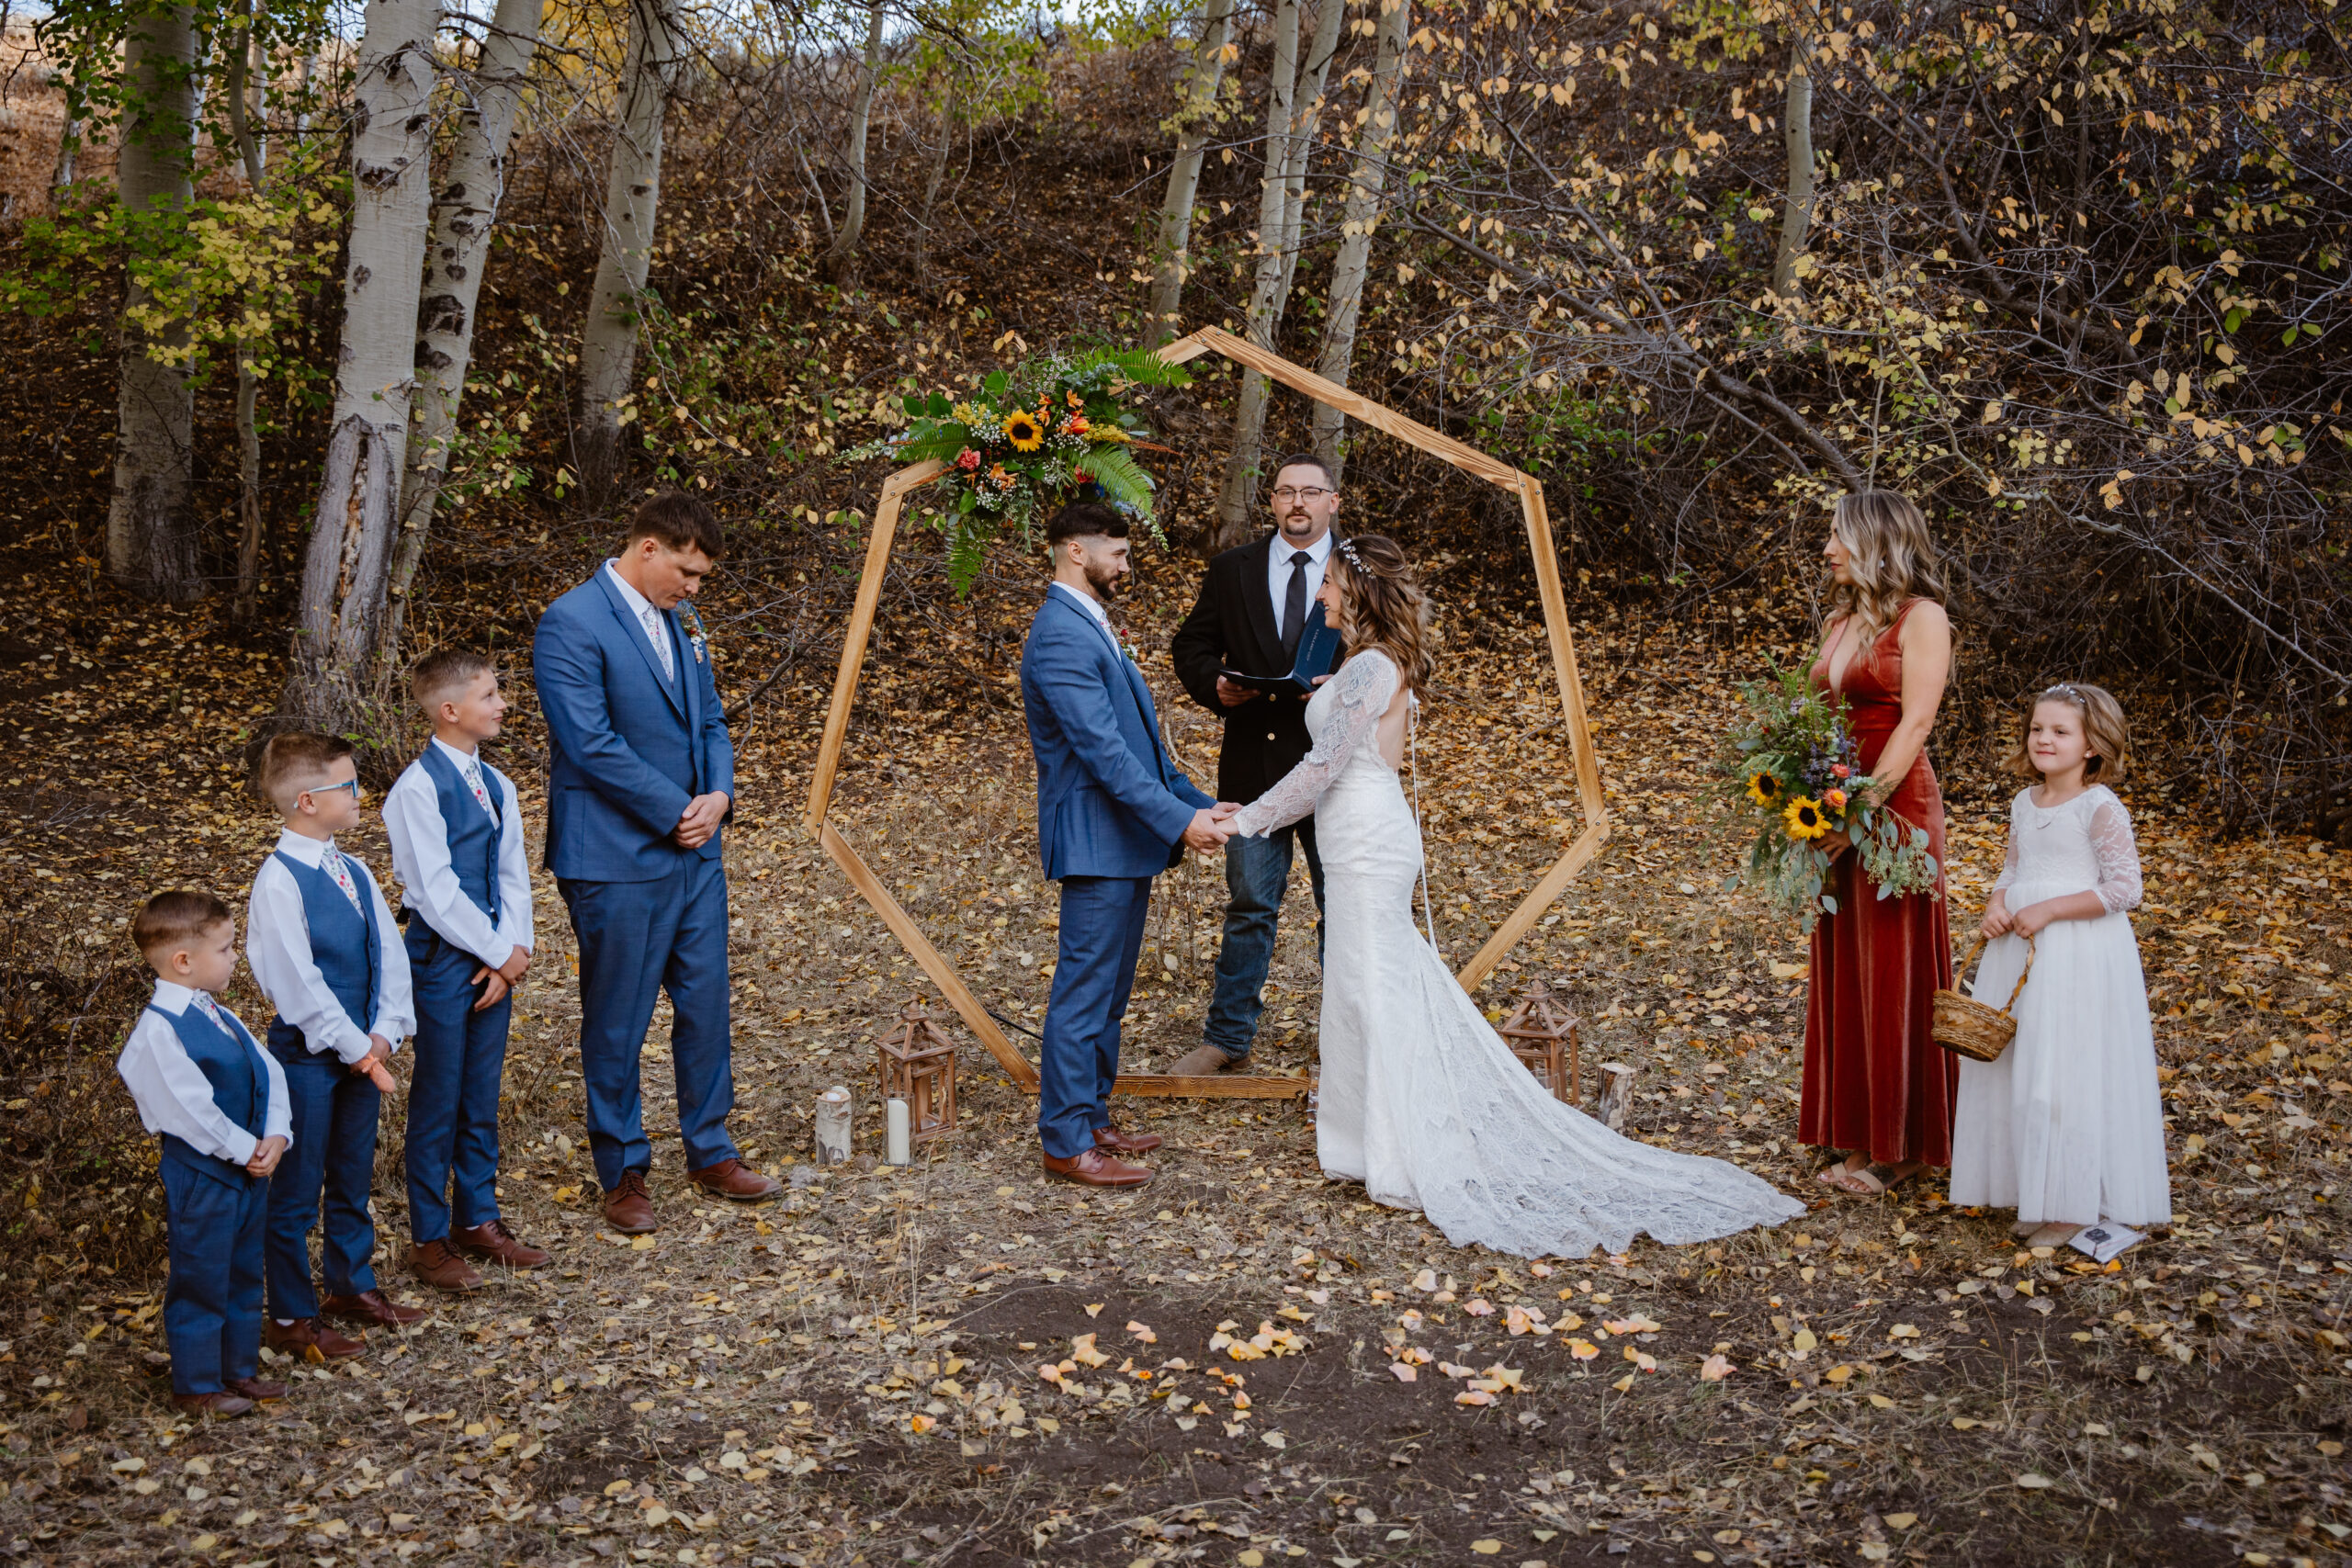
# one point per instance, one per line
(1420, 1100)
(2067, 1126)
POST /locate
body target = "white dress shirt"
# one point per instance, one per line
(174, 1096)
(420, 838)
(277, 945)
(650, 619)
(1278, 570)
(1090, 604)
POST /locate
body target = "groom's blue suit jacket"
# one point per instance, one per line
(1109, 801)
(629, 747)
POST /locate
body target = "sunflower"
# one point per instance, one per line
(1763, 789)
(1805, 819)
(1023, 431)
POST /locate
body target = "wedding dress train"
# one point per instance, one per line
(1420, 1100)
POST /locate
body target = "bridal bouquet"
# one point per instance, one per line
(1052, 430)
(1790, 771)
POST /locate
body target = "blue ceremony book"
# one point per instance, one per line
(1319, 654)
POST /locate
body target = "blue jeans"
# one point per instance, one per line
(1257, 872)
(1102, 932)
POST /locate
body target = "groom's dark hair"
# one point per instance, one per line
(1086, 520)
(680, 521)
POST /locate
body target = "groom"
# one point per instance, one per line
(1113, 812)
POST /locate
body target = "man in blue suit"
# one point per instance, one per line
(1113, 812)
(642, 776)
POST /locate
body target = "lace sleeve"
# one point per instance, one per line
(2119, 855)
(2008, 860)
(1361, 693)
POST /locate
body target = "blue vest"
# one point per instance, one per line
(473, 838)
(232, 1063)
(344, 944)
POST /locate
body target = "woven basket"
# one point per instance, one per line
(1968, 1028)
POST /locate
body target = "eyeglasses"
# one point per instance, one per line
(351, 784)
(1310, 494)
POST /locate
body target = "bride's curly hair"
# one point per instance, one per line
(1382, 605)
(1890, 554)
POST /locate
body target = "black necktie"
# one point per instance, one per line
(1295, 602)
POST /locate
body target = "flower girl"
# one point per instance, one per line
(2067, 1126)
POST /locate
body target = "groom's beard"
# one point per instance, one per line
(1104, 583)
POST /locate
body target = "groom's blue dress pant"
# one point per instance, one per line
(1101, 936)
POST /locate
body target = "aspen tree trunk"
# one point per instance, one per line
(151, 530)
(841, 262)
(1203, 77)
(1796, 129)
(250, 155)
(69, 138)
(1366, 186)
(632, 204)
(1240, 489)
(464, 210)
(351, 532)
(933, 179)
(1320, 55)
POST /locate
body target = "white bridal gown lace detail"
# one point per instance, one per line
(1420, 1100)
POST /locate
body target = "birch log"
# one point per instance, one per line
(1796, 127)
(464, 210)
(632, 203)
(351, 531)
(151, 530)
(1367, 186)
(841, 262)
(1194, 122)
(1236, 495)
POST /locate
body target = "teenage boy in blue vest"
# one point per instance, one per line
(324, 946)
(204, 1084)
(457, 836)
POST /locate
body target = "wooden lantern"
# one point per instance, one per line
(918, 1065)
(1539, 1035)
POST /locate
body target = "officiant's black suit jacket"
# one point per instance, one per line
(1233, 626)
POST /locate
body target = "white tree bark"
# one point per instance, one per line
(151, 530)
(841, 262)
(1367, 185)
(1320, 55)
(351, 532)
(1195, 120)
(632, 204)
(464, 210)
(1796, 129)
(1238, 491)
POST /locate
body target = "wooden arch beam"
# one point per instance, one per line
(1213, 340)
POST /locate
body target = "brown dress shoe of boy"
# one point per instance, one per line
(438, 1266)
(311, 1340)
(1092, 1167)
(371, 1306)
(1114, 1140)
(217, 1406)
(260, 1390)
(736, 1182)
(492, 1241)
(628, 1208)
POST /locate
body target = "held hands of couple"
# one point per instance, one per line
(266, 1156)
(502, 979)
(1211, 826)
(703, 815)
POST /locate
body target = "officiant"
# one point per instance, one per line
(1254, 606)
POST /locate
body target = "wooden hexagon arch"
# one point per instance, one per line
(1564, 667)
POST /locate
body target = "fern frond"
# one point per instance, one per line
(1122, 477)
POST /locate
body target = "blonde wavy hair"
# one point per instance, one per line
(2103, 725)
(1890, 555)
(1382, 605)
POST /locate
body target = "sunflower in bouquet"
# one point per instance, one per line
(1788, 769)
(1053, 430)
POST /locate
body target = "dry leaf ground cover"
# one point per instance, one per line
(1243, 1363)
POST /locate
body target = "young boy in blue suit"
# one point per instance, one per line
(457, 835)
(205, 1086)
(323, 946)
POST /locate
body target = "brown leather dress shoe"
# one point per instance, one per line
(735, 1181)
(1092, 1167)
(260, 1390)
(1203, 1062)
(219, 1407)
(628, 1208)
(438, 1266)
(492, 1240)
(311, 1339)
(371, 1306)
(1120, 1142)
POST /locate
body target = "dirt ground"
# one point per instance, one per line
(958, 1363)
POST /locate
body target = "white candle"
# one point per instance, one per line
(833, 1126)
(894, 1117)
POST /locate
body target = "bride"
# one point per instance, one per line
(1421, 1100)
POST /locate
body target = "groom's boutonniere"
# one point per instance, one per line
(1134, 656)
(696, 639)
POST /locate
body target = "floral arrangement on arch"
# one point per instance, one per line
(1050, 431)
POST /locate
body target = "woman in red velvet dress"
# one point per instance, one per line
(1879, 1093)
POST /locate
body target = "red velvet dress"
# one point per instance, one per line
(1874, 1079)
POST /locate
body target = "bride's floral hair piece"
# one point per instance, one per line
(2103, 723)
(1382, 605)
(1889, 554)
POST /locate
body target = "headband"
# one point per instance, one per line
(2066, 689)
